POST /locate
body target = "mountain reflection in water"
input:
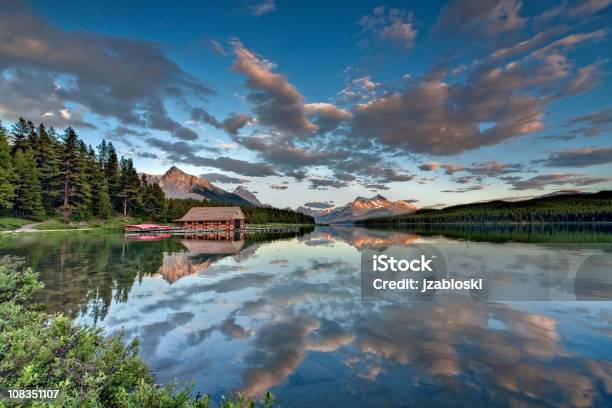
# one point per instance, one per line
(252, 314)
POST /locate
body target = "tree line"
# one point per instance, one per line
(254, 215)
(42, 173)
(564, 208)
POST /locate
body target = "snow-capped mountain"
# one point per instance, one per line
(359, 209)
(243, 192)
(313, 212)
(177, 184)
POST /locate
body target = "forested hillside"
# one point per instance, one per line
(254, 215)
(43, 174)
(566, 208)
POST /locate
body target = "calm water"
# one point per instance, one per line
(287, 316)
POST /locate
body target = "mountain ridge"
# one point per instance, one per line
(175, 183)
(359, 209)
(244, 193)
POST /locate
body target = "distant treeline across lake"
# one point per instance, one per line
(576, 208)
(552, 233)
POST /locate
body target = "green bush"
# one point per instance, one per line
(40, 351)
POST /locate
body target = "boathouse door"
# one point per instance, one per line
(236, 224)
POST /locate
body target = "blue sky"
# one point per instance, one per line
(440, 102)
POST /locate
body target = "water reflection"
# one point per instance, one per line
(201, 251)
(287, 315)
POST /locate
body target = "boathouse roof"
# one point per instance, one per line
(213, 214)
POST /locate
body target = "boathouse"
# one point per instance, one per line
(225, 218)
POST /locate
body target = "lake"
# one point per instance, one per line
(285, 313)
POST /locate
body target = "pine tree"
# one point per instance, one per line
(33, 137)
(103, 154)
(104, 208)
(6, 172)
(100, 204)
(111, 170)
(130, 190)
(20, 132)
(48, 164)
(27, 201)
(85, 189)
(154, 204)
(76, 189)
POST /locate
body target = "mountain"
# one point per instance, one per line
(242, 192)
(177, 184)
(362, 208)
(308, 211)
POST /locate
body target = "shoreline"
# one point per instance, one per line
(29, 228)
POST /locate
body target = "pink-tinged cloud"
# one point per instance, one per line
(559, 179)
(579, 157)
(388, 25)
(430, 166)
(493, 104)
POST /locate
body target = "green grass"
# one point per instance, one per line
(11, 223)
(110, 224)
(58, 225)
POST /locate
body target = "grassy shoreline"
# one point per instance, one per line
(12, 225)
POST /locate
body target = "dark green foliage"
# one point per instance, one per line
(6, 173)
(264, 215)
(100, 204)
(76, 189)
(17, 283)
(20, 132)
(154, 206)
(47, 149)
(254, 215)
(129, 187)
(566, 208)
(111, 170)
(27, 200)
(52, 352)
(69, 176)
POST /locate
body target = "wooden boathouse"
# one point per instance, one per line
(219, 218)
